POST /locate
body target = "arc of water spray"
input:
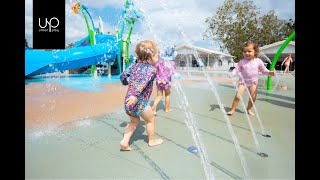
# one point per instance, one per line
(189, 59)
(259, 152)
(191, 124)
(119, 38)
(231, 131)
(235, 140)
(255, 109)
(150, 24)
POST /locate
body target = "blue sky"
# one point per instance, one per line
(165, 21)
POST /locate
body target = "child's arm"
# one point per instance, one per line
(124, 75)
(264, 70)
(235, 70)
(284, 61)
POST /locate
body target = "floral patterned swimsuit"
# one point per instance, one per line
(141, 76)
(165, 71)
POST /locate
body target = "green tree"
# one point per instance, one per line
(272, 29)
(236, 22)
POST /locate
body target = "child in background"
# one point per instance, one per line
(287, 61)
(142, 75)
(166, 68)
(249, 67)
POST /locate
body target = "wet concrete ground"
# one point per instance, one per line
(88, 147)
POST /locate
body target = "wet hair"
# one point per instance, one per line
(255, 47)
(145, 49)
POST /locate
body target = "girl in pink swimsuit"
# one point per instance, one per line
(249, 67)
(166, 68)
(163, 82)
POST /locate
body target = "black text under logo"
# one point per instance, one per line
(49, 24)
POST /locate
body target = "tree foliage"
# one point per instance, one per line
(235, 23)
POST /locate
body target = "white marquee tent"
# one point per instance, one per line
(188, 56)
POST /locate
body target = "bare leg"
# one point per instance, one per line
(236, 99)
(131, 127)
(157, 100)
(286, 70)
(149, 118)
(253, 93)
(167, 99)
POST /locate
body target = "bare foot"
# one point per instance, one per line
(125, 147)
(155, 142)
(230, 113)
(168, 110)
(250, 113)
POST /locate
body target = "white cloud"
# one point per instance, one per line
(174, 22)
(75, 25)
(165, 21)
(103, 3)
(284, 9)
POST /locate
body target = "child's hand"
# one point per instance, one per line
(124, 82)
(272, 73)
(131, 101)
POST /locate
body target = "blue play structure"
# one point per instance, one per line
(41, 61)
(97, 47)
